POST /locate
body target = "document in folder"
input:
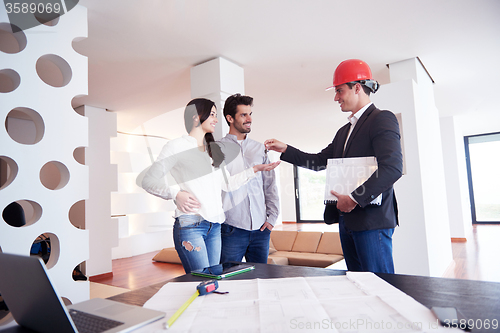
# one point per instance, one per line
(344, 175)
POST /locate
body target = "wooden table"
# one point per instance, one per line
(476, 300)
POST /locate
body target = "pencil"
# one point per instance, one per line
(181, 310)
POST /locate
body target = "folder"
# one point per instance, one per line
(344, 175)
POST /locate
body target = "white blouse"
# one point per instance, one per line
(182, 166)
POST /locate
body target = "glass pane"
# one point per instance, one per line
(311, 194)
(485, 162)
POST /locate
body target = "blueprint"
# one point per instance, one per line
(356, 302)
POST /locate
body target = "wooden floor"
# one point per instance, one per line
(476, 259)
(139, 271)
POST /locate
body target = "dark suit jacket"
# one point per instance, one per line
(375, 134)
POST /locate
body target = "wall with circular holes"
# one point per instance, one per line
(41, 179)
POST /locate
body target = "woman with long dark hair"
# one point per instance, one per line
(196, 165)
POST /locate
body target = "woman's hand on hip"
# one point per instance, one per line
(186, 202)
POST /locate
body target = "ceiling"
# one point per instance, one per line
(140, 53)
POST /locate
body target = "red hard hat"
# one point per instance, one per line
(350, 71)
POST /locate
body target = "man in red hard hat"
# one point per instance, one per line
(366, 225)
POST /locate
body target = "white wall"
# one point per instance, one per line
(482, 121)
(145, 222)
(51, 75)
(454, 129)
(287, 191)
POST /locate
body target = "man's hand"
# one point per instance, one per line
(266, 225)
(186, 202)
(273, 144)
(266, 167)
(345, 204)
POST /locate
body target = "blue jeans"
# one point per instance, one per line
(367, 251)
(197, 242)
(236, 243)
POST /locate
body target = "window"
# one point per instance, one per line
(309, 194)
(483, 162)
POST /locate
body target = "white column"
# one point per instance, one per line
(103, 231)
(456, 178)
(216, 80)
(422, 244)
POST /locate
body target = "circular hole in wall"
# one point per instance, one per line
(53, 70)
(79, 155)
(77, 103)
(54, 175)
(49, 19)
(77, 214)
(46, 246)
(25, 126)
(32, 211)
(8, 171)
(9, 80)
(10, 41)
(78, 48)
(13, 215)
(78, 272)
(66, 301)
(8, 318)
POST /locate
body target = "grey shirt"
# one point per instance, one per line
(250, 206)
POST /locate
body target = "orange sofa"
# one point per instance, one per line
(304, 248)
(298, 248)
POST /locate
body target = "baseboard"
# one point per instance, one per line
(101, 276)
(288, 222)
(458, 240)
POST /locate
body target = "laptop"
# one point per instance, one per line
(34, 302)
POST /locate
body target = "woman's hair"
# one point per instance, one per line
(202, 107)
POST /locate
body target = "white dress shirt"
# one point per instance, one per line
(257, 202)
(353, 119)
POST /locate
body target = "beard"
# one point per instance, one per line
(242, 129)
